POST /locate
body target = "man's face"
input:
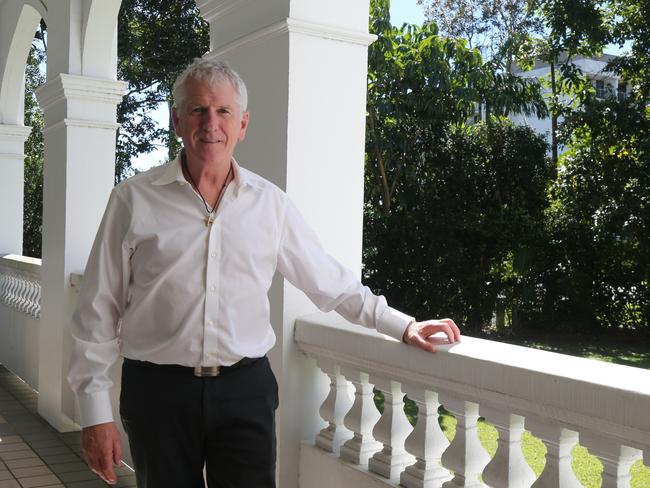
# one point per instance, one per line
(210, 122)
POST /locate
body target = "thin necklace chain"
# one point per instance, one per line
(209, 219)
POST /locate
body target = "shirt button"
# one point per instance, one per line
(213, 288)
(214, 255)
(210, 322)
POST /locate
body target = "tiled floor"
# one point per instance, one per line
(33, 454)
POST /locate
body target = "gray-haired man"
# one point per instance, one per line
(177, 284)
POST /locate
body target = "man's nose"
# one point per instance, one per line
(210, 120)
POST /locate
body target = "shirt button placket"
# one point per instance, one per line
(210, 329)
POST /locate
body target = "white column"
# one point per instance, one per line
(361, 419)
(466, 457)
(558, 472)
(12, 141)
(305, 65)
(333, 409)
(78, 177)
(391, 430)
(427, 442)
(617, 459)
(508, 468)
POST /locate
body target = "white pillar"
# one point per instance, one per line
(79, 102)
(79, 138)
(305, 64)
(12, 140)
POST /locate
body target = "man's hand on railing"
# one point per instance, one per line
(420, 334)
(102, 448)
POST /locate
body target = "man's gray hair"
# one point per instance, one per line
(214, 73)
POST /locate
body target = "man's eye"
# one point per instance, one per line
(224, 111)
(198, 110)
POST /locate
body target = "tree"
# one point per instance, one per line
(446, 202)
(34, 150)
(495, 27)
(156, 40)
(599, 220)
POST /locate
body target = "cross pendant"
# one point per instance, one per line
(209, 220)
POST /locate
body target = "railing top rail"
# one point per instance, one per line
(24, 264)
(579, 393)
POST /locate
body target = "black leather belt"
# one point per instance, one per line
(200, 371)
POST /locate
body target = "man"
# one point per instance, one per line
(177, 284)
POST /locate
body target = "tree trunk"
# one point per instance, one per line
(554, 116)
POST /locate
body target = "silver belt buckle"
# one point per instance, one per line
(202, 371)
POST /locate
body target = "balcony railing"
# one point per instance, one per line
(20, 309)
(20, 284)
(561, 399)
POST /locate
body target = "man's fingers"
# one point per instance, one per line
(437, 326)
(106, 468)
(117, 452)
(423, 344)
(454, 329)
(102, 447)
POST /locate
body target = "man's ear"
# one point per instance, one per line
(244, 125)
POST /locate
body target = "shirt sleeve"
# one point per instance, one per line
(330, 285)
(95, 321)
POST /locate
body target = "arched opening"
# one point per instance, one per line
(34, 146)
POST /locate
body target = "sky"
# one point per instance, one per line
(400, 11)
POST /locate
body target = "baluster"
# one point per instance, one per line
(646, 457)
(33, 298)
(617, 459)
(37, 300)
(15, 291)
(508, 468)
(426, 442)
(391, 431)
(4, 284)
(559, 442)
(466, 457)
(360, 419)
(31, 295)
(22, 295)
(333, 409)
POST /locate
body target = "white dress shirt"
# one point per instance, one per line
(161, 286)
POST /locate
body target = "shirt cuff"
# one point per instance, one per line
(394, 323)
(95, 408)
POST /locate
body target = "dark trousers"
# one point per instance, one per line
(177, 423)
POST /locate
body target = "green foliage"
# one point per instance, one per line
(600, 219)
(157, 39)
(34, 156)
(446, 203)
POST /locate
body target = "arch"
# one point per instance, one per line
(99, 39)
(18, 23)
(40, 6)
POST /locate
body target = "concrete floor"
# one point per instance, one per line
(33, 454)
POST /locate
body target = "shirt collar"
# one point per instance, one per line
(174, 173)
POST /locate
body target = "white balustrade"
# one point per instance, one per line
(617, 459)
(391, 430)
(552, 395)
(466, 457)
(361, 419)
(20, 288)
(559, 443)
(333, 409)
(508, 468)
(426, 442)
